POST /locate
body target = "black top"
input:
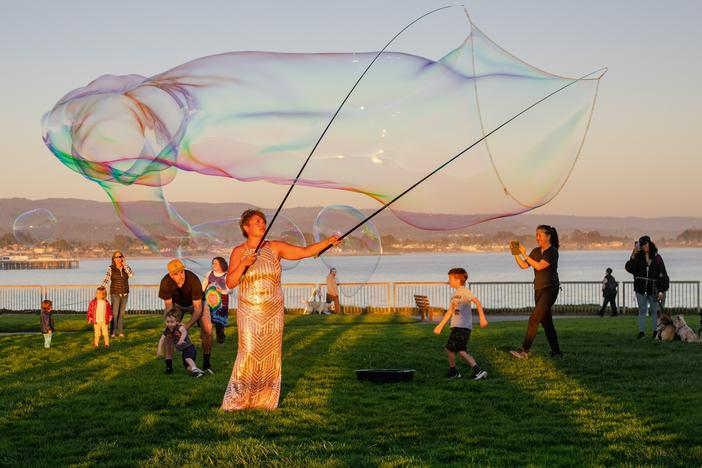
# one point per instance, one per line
(548, 277)
(186, 294)
(648, 278)
(119, 280)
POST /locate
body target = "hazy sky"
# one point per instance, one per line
(643, 155)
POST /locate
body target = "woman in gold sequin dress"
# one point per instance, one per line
(256, 376)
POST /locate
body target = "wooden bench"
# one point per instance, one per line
(422, 303)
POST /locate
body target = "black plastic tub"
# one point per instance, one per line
(385, 375)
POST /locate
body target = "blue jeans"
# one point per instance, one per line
(645, 301)
(119, 308)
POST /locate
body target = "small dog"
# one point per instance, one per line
(665, 331)
(683, 330)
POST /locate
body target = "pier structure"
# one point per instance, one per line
(38, 263)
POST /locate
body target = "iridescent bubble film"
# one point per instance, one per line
(34, 227)
(364, 243)
(225, 234)
(255, 116)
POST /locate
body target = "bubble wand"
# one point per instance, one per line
(602, 70)
(314, 148)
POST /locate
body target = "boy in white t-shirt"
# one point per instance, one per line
(100, 314)
(460, 313)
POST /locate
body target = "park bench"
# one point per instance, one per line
(422, 303)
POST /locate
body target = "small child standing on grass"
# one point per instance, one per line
(100, 314)
(177, 332)
(47, 322)
(460, 313)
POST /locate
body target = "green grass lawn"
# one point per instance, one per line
(613, 399)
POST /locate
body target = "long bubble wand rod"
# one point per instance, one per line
(314, 148)
(371, 216)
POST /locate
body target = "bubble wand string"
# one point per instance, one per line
(371, 216)
(314, 148)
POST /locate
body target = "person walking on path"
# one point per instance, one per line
(610, 289)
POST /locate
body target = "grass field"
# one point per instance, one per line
(613, 399)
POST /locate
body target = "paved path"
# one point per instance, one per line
(517, 318)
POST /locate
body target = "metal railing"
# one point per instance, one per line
(574, 297)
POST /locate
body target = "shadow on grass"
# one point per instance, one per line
(120, 409)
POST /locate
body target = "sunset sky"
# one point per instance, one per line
(642, 157)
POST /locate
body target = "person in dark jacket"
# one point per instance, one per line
(117, 275)
(610, 288)
(650, 281)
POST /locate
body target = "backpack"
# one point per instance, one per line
(611, 285)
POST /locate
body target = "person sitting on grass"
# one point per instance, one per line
(100, 314)
(47, 322)
(178, 336)
(460, 313)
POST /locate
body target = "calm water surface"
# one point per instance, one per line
(682, 264)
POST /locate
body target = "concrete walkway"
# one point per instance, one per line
(517, 318)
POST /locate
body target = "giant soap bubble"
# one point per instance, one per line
(255, 116)
(34, 227)
(225, 233)
(363, 242)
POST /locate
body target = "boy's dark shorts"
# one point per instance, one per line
(458, 339)
(189, 352)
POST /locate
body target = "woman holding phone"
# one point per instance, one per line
(650, 281)
(544, 260)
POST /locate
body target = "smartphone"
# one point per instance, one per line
(515, 247)
(636, 245)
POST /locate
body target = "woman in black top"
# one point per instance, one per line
(544, 261)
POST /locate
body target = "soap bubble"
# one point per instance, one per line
(363, 244)
(34, 227)
(225, 233)
(255, 116)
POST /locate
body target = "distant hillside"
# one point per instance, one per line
(97, 221)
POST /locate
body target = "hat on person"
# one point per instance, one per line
(174, 266)
(643, 240)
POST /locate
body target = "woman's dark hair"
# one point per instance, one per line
(222, 263)
(609, 271)
(551, 232)
(246, 216)
(652, 249)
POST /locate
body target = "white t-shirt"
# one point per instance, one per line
(100, 311)
(462, 310)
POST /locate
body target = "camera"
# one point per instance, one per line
(515, 247)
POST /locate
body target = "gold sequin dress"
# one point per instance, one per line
(255, 380)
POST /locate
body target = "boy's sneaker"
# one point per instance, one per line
(169, 370)
(208, 370)
(519, 354)
(480, 375)
(453, 375)
(197, 373)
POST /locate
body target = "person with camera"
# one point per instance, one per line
(651, 281)
(544, 260)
